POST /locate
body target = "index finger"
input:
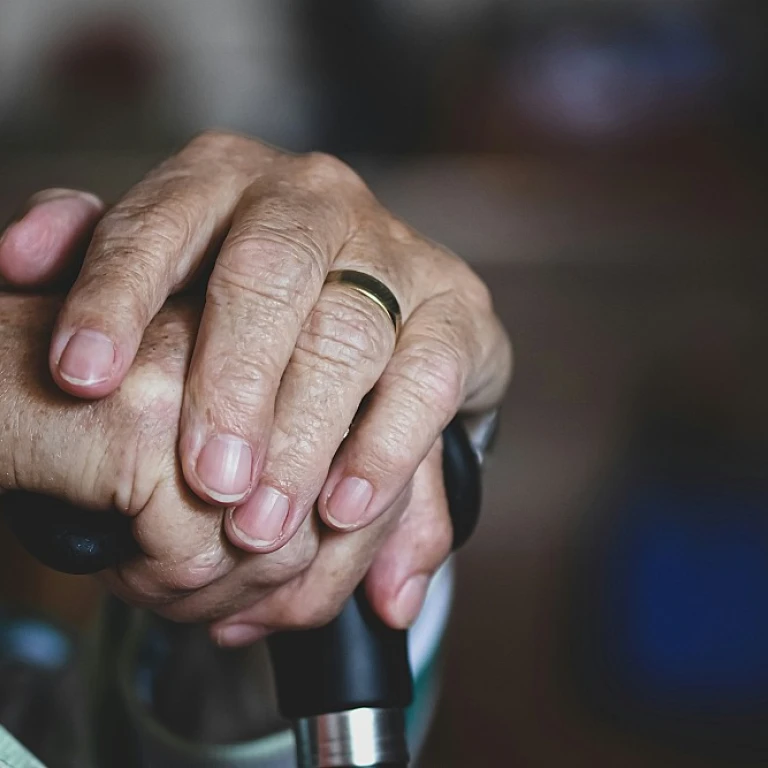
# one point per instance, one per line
(449, 356)
(144, 249)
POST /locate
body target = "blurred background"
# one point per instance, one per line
(602, 164)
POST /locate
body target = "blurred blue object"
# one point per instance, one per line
(669, 614)
(33, 642)
(687, 609)
(597, 78)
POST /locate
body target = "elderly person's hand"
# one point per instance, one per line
(121, 452)
(283, 358)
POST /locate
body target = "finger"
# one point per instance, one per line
(317, 595)
(45, 241)
(145, 248)
(399, 577)
(229, 587)
(420, 391)
(267, 278)
(340, 353)
(183, 552)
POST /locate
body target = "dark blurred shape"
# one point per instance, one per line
(68, 539)
(378, 94)
(114, 60)
(102, 80)
(616, 77)
(668, 621)
(395, 77)
(230, 696)
(604, 76)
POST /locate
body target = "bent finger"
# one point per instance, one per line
(318, 594)
(144, 249)
(446, 356)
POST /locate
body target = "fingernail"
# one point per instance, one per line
(240, 634)
(259, 522)
(88, 359)
(348, 502)
(409, 600)
(224, 467)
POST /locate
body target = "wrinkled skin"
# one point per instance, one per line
(275, 525)
(121, 451)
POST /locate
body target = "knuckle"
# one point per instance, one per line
(163, 224)
(235, 381)
(295, 446)
(138, 246)
(157, 581)
(345, 332)
(431, 376)
(139, 455)
(323, 170)
(239, 389)
(174, 579)
(214, 142)
(139, 423)
(299, 553)
(390, 454)
(189, 576)
(290, 561)
(270, 262)
(242, 296)
(210, 137)
(137, 296)
(140, 419)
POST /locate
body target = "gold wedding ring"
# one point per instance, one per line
(372, 289)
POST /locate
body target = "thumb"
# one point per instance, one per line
(47, 239)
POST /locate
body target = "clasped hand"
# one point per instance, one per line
(222, 424)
